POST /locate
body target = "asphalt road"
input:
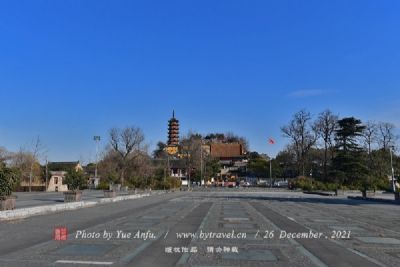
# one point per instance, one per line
(212, 228)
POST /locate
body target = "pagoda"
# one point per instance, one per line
(173, 133)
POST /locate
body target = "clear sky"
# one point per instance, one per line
(73, 69)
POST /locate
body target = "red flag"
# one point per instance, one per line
(271, 141)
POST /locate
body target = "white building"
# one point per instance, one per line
(56, 182)
(58, 171)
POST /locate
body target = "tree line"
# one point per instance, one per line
(342, 151)
(328, 149)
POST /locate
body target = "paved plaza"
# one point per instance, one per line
(210, 228)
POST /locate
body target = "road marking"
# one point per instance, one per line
(366, 257)
(312, 207)
(185, 256)
(128, 258)
(85, 262)
(290, 218)
(165, 236)
(297, 245)
(255, 237)
(332, 241)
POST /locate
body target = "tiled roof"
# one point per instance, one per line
(223, 150)
(62, 166)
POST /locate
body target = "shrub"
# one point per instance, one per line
(75, 180)
(384, 184)
(332, 186)
(8, 181)
(169, 183)
(173, 182)
(308, 184)
(103, 185)
(305, 183)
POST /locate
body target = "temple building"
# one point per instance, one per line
(231, 157)
(173, 131)
(173, 135)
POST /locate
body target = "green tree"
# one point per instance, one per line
(211, 168)
(287, 162)
(8, 180)
(380, 168)
(159, 152)
(258, 166)
(349, 162)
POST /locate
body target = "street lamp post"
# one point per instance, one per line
(271, 142)
(97, 140)
(47, 174)
(270, 170)
(391, 166)
(168, 172)
(201, 162)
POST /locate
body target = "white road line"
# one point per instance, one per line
(85, 262)
(185, 256)
(165, 236)
(290, 218)
(314, 259)
(128, 258)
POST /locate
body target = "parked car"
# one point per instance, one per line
(281, 184)
(245, 184)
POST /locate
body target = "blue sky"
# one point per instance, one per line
(73, 69)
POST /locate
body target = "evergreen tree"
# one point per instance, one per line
(349, 163)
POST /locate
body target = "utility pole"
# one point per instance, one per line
(271, 142)
(96, 138)
(168, 172)
(47, 174)
(270, 170)
(31, 175)
(201, 162)
(391, 165)
(190, 167)
(167, 169)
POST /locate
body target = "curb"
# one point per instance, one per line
(41, 210)
(380, 200)
(321, 193)
(122, 198)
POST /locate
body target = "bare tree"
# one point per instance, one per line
(109, 165)
(386, 135)
(303, 136)
(230, 137)
(191, 146)
(370, 135)
(27, 160)
(37, 150)
(325, 126)
(28, 167)
(4, 155)
(127, 143)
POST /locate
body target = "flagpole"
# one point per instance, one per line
(270, 169)
(271, 142)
